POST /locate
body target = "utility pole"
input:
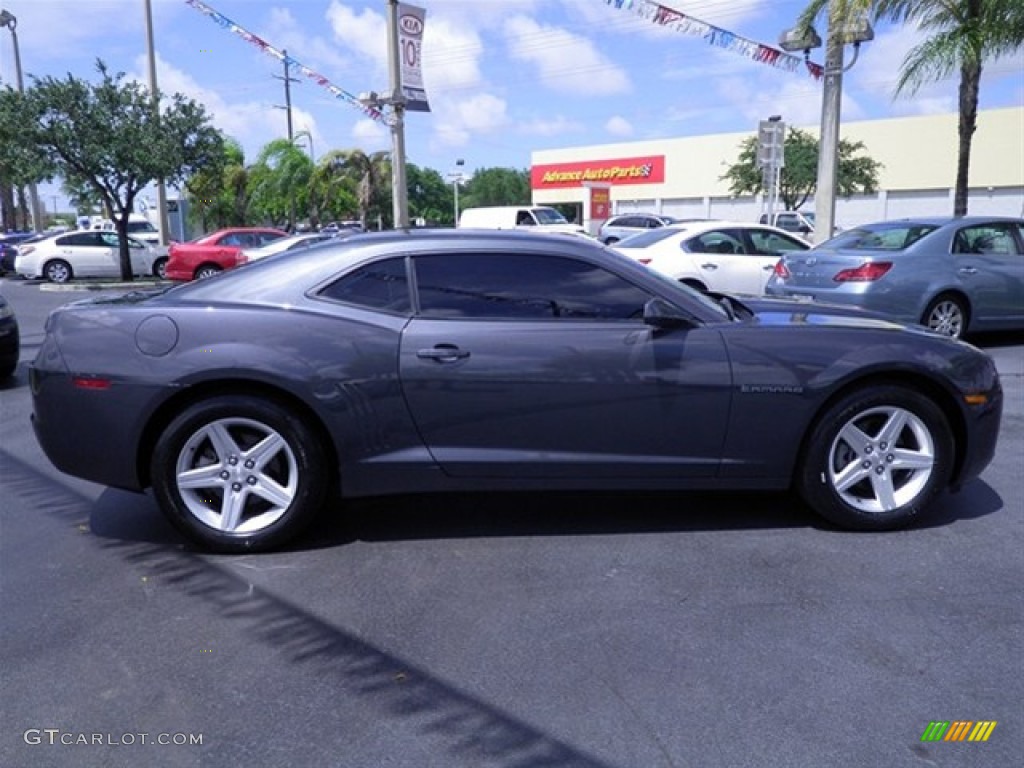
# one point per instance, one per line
(828, 147)
(288, 80)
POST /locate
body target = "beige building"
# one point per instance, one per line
(682, 177)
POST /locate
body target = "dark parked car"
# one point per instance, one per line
(8, 249)
(954, 275)
(454, 360)
(10, 341)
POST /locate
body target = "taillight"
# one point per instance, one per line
(781, 271)
(865, 273)
(644, 261)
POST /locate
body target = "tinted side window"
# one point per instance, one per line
(772, 243)
(986, 239)
(503, 286)
(233, 238)
(80, 238)
(380, 285)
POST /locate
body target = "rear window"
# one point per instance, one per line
(887, 236)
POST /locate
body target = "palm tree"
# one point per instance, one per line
(369, 173)
(280, 180)
(962, 34)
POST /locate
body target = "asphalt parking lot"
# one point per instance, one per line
(584, 630)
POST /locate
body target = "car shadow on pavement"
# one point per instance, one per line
(461, 725)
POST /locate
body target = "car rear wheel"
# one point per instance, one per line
(207, 270)
(57, 271)
(947, 315)
(876, 458)
(160, 268)
(239, 473)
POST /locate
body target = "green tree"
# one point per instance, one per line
(799, 178)
(370, 177)
(21, 163)
(109, 137)
(279, 182)
(332, 190)
(497, 186)
(219, 192)
(430, 198)
(962, 35)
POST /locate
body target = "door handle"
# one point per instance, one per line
(709, 265)
(967, 271)
(443, 353)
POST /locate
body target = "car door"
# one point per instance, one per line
(721, 259)
(532, 365)
(136, 251)
(989, 262)
(87, 253)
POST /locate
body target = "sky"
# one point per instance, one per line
(504, 77)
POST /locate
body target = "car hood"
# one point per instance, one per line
(771, 311)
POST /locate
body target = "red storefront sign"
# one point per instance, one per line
(600, 203)
(630, 170)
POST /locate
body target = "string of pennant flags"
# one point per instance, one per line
(339, 93)
(721, 38)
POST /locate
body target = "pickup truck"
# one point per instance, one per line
(791, 221)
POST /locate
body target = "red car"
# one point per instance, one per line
(215, 252)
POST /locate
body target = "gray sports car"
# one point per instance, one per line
(951, 274)
(458, 360)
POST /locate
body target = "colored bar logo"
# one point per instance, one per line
(958, 730)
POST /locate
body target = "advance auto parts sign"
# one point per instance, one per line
(630, 170)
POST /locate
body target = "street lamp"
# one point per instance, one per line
(855, 32)
(457, 178)
(9, 20)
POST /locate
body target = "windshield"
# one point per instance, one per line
(549, 216)
(140, 226)
(884, 236)
(649, 237)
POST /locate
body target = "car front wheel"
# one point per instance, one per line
(57, 271)
(239, 474)
(876, 458)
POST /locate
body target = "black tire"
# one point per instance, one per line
(207, 270)
(243, 498)
(160, 268)
(883, 475)
(947, 314)
(57, 271)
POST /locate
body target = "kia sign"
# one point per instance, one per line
(410, 52)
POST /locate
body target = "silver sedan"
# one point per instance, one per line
(953, 275)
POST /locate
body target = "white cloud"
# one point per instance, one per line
(312, 50)
(565, 62)
(558, 126)
(362, 32)
(619, 126)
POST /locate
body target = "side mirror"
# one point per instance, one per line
(658, 313)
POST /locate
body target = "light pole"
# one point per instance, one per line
(162, 223)
(396, 120)
(457, 177)
(840, 33)
(9, 20)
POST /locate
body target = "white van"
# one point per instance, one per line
(535, 218)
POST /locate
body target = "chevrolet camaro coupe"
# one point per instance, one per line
(459, 360)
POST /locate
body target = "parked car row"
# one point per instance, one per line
(955, 275)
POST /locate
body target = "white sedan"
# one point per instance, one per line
(719, 256)
(83, 253)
